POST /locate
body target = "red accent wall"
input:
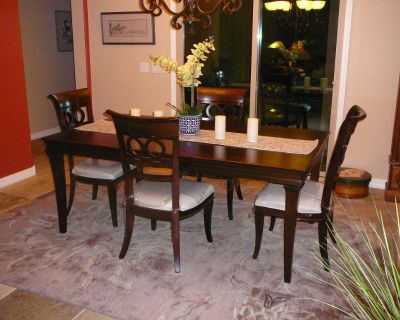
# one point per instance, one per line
(15, 144)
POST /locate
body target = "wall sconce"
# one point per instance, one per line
(192, 10)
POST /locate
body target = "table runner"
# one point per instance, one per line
(232, 139)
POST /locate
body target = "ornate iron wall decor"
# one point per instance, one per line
(192, 10)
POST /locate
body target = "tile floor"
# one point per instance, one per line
(16, 304)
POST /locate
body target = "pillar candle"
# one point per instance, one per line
(135, 112)
(220, 123)
(306, 82)
(323, 83)
(252, 129)
(158, 113)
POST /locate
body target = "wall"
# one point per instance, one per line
(16, 154)
(116, 81)
(46, 69)
(372, 80)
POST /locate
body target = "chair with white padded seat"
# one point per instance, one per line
(315, 201)
(73, 109)
(231, 103)
(149, 143)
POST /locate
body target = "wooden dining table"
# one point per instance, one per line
(289, 170)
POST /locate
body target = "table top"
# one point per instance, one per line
(240, 162)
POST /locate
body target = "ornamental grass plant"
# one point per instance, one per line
(367, 276)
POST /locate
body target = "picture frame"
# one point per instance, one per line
(64, 34)
(127, 28)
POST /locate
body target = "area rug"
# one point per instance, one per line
(218, 281)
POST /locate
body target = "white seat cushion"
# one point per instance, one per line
(158, 195)
(273, 196)
(98, 169)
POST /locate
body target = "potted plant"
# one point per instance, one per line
(368, 277)
(188, 76)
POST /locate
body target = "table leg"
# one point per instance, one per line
(316, 170)
(289, 231)
(57, 167)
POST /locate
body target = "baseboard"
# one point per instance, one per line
(18, 176)
(377, 184)
(44, 133)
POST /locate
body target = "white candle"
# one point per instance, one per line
(220, 124)
(252, 129)
(323, 83)
(135, 112)
(158, 113)
(306, 82)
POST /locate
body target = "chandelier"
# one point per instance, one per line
(192, 10)
(301, 4)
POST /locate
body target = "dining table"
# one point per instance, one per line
(217, 158)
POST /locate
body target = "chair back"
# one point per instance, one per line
(227, 101)
(149, 143)
(73, 108)
(347, 128)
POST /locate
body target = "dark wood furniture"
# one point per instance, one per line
(73, 109)
(229, 102)
(392, 190)
(154, 143)
(314, 205)
(290, 170)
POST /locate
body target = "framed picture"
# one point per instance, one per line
(65, 40)
(127, 28)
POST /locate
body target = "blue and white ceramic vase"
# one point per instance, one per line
(189, 125)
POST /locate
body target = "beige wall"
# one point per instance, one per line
(116, 81)
(373, 74)
(46, 69)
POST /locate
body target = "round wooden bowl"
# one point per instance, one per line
(352, 183)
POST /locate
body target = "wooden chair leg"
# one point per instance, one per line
(130, 220)
(259, 225)
(229, 197)
(94, 192)
(153, 224)
(176, 241)
(289, 229)
(236, 183)
(331, 230)
(207, 220)
(272, 223)
(71, 194)
(112, 198)
(199, 176)
(323, 245)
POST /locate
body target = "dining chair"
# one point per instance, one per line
(73, 109)
(315, 199)
(153, 143)
(231, 103)
(227, 101)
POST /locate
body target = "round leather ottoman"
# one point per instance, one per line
(352, 183)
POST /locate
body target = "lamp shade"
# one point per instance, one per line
(278, 5)
(310, 4)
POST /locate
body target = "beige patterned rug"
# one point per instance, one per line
(218, 281)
